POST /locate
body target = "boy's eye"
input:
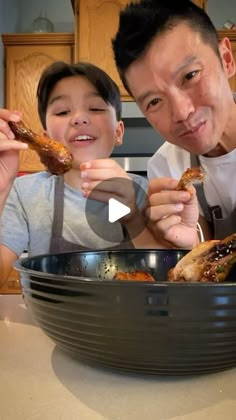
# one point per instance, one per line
(96, 109)
(66, 112)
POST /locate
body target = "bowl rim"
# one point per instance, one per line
(95, 280)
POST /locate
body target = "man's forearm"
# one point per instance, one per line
(146, 240)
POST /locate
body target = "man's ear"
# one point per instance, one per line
(120, 129)
(227, 57)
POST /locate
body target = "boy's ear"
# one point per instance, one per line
(227, 58)
(119, 133)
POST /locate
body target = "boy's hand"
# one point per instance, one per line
(9, 152)
(173, 215)
(93, 173)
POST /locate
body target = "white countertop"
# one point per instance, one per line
(40, 382)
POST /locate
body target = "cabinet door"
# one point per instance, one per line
(201, 3)
(12, 285)
(96, 22)
(24, 65)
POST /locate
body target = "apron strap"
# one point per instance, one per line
(57, 224)
(200, 191)
(58, 216)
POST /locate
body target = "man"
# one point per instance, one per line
(171, 61)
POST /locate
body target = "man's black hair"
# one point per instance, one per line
(140, 22)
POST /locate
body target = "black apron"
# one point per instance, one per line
(58, 244)
(221, 226)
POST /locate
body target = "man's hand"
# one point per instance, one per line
(173, 214)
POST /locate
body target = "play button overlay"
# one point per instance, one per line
(116, 210)
(107, 211)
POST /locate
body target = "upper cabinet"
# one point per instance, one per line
(25, 57)
(96, 22)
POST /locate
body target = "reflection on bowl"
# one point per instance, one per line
(157, 328)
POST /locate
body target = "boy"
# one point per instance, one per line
(79, 105)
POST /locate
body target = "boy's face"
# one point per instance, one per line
(80, 119)
(184, 91)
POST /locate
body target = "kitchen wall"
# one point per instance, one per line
(221, 10)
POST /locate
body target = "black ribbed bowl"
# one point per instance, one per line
(156, 328)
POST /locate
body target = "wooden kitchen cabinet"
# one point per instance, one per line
(96, 22)
(25, 57)
(201, 3)
(12, 286)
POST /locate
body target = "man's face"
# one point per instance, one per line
(182, 88)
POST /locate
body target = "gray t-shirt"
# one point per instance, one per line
(27, 217)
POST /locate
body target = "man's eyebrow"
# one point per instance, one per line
(189, 60)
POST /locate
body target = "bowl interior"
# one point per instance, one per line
(102, 265)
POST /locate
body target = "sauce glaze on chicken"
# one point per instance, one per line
(136, 275)
(210, 261)
(53, 154)
(189, 177)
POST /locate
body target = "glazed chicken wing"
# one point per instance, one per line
(53, 154)
(190, 176)
(210, 261)
(136, 275)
